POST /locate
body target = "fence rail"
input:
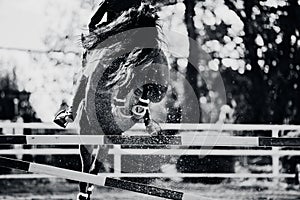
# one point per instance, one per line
(209, 129)
(175, 152)
(159, 175)
(168, 126)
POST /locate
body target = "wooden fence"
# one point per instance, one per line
(209, 129)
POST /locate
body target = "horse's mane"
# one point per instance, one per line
(138, 44)
(144, 16)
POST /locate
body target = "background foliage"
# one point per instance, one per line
(253, 44)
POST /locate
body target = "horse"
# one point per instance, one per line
(124, 69)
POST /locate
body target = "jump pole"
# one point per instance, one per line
(94, 179)
(182, 140)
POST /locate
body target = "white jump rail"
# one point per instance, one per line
(101, 180)
(137, 140)
(275, 152)
(159, 175)
(169, 126)
(165, 152)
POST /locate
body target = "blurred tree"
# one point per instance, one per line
(254, 94)
(192, 74)
(283, 79)
(255, 46)
(196, 164)
(13, 103)
(271, 39)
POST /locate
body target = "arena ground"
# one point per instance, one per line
(59, 189)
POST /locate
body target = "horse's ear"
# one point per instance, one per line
(102, 2)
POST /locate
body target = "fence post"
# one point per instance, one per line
(117, 159)
(19, 131)
(275, 158)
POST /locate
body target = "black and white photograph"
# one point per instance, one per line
(149, 99)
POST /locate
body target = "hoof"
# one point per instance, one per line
(83, 196)
(63, 118)
(60, 121)
(90, 190)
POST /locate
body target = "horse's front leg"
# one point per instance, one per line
(86, 155)
(98, 164)
(150, 93)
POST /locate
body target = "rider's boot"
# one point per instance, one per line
(141, 110)
(83, 196)
(64, 117)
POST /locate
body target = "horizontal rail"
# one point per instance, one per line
(169, 126)
(94, 179)
(88, 140)
(159, 175)
(25, 176)
(185, 140)
(217, 152)
(44, 151)
(203, 175)
(45, 125)
(223, 127)
(203, 152)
